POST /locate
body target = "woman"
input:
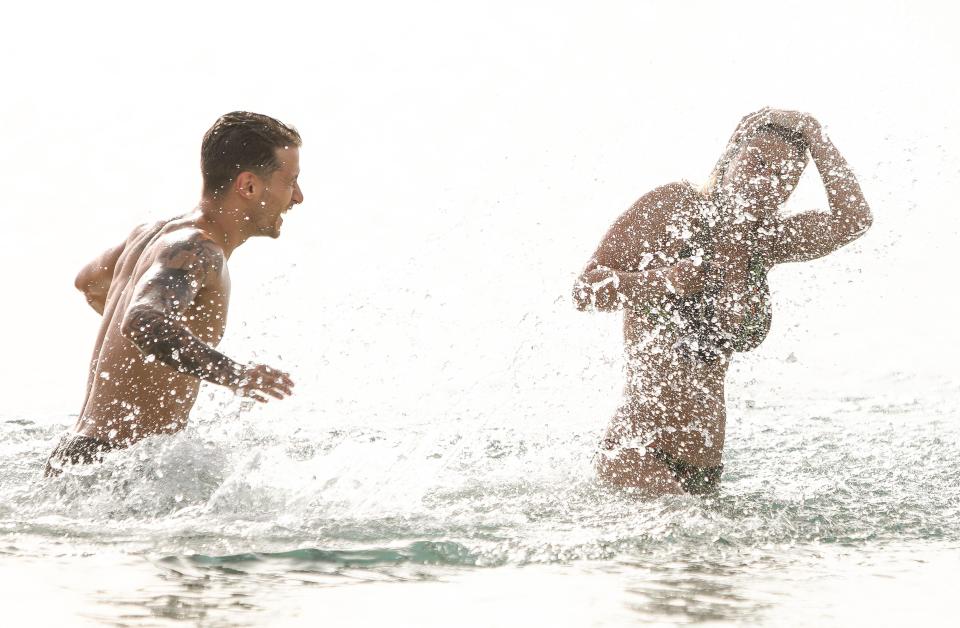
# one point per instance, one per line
(689, 269)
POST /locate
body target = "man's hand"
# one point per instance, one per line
(258, 381)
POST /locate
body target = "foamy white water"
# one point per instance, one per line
(459, 167)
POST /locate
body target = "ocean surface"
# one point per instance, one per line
(834, 510)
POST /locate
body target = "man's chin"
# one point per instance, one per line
(270, 232)
(274, 231)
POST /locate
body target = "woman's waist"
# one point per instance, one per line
(675, 372)
(693, 432)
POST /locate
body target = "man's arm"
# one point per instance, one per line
(814, 234)
(613, 280)
(95, 278)
(154, 321)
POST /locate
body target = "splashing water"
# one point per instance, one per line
(228, 511)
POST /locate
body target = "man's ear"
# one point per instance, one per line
(247, 184)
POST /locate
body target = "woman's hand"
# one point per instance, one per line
(798, 122)
(749, 124)
(599, 288)
(745, 128)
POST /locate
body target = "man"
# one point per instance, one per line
(689, 269)
(164, 292)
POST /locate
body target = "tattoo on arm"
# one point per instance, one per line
(155, 320)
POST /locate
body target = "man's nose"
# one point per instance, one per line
(297, 195)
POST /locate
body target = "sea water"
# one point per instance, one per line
(834, 509)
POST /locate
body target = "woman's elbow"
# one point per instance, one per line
(867, 220)
(853, 225)
(862, 223)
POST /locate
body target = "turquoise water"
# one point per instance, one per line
(833, 510)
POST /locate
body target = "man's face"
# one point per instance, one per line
(765, 172)
(281, 192)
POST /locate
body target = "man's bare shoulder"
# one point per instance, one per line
(175, 246)
(173, 243)
(190, 248)
(146, 228)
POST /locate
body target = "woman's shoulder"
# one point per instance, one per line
(677, 190)
(670, 199)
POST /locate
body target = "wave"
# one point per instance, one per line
(312, 559)
(842, 471)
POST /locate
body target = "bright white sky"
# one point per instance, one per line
(461, 160)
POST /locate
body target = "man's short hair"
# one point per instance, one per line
(241, 141)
